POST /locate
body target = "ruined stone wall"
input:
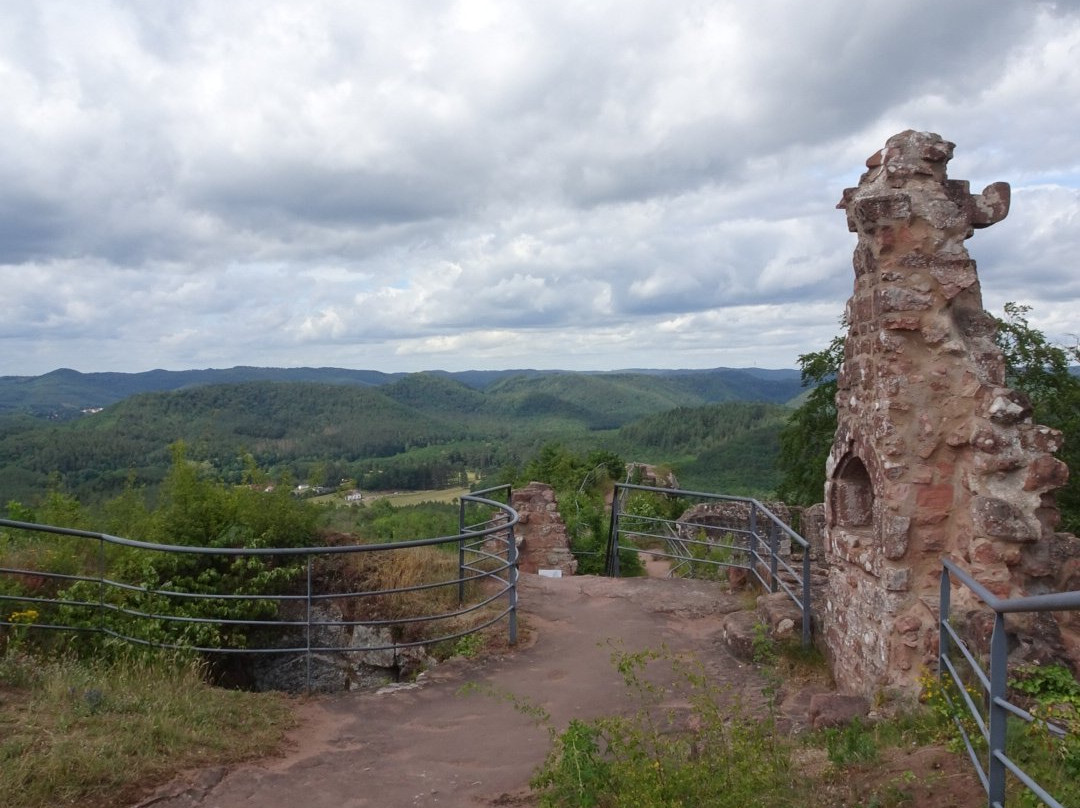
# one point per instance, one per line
(933, 454)
(541, 532)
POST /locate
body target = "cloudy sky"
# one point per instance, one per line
(417, 184)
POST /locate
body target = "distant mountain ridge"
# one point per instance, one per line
(64, 394)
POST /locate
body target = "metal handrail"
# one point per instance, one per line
(491, 544)
(993, 684)
(763, 531)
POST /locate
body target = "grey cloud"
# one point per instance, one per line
(261, 181)
(267, 197)
(30, 226)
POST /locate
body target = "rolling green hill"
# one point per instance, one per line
(65, 394)
(409, 431)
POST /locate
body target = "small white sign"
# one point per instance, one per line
(549, 573)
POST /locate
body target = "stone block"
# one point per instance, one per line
(1041, 439)
(954, 276)
(836, 710)
(898, 299)
(777, 611)
(894, 535)
(1009, 407)
(873, 210)
(999, 519)
(896, 579)
(1046, 473)
(740, 632)
(933, 503)
(986, 552)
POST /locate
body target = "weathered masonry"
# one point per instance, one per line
(934, 456)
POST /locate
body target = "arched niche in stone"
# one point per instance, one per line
(852, 494)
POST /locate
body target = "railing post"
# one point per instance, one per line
(307, 656)
(999, 660)
(101, 584)
(461, 551)
(773, 531)
(512, 569)
(752, 561)
(807, 612)
(611, 565)
(944, 607)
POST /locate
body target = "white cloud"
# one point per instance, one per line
(479, 183)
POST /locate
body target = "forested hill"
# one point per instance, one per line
(64, 394)
(414, 431)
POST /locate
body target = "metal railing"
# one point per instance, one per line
(753, 544)
(992, 716)
(303, 617)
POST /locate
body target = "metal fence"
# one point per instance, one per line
(756, 541)
(73, 586)
(992, 712)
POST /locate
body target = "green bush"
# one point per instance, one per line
(1053, 761)
(195, 511)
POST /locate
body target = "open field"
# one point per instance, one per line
(399, 498)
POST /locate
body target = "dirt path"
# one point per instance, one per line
(432, 745)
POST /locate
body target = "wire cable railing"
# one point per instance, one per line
(753, 542)
(299, 610)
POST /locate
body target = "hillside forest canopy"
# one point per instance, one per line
(418, 432)
(745, 432)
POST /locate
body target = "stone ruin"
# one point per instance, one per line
(543, 543)
(933, 456)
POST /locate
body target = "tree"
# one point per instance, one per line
(1033, 365)
(807, 437)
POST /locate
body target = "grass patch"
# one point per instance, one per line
(662, 755)
(97, 734)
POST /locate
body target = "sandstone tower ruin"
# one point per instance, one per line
(933, 454)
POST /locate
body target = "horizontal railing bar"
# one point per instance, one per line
(689, 559)
(180, 618)
(1021, 713)
(51, 626)
(53, 576)
(1027, 780)
(255, 551)
(406, 589)
(50, 601)
(172, 593)
(1053, 602)
(763, 510)
(303, 649)
(958, 681)
(980, 770)
(974, 664)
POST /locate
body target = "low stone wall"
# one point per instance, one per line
(332, 672)
(540, 532)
